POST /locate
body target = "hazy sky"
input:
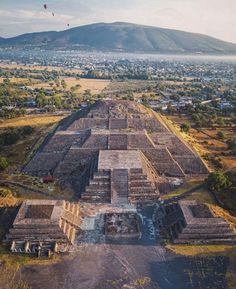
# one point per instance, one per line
(213, 17)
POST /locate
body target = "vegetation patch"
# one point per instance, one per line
(208, 251)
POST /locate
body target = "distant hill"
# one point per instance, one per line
(123, 37)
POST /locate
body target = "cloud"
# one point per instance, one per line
(212, 17)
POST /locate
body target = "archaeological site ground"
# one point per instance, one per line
(122, 226)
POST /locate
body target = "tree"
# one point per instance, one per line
(220, 121)
(217, 181)
(185, 127)
(41, 100)
(220, 135)
(63, 84)
(27, 130)
(57, 100)
(10, 137)
(232, 145)
(3, 164)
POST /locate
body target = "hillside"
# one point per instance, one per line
(123, 37)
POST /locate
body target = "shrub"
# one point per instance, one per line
(10, 137)
(3, 163)
(27, 130)
(217, 181)
(185, 127)
(220, 135)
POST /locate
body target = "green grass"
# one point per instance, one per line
(211, 250)
(181, 190)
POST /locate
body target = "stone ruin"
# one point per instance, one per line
(190, 222)
(118, 225)
(115, 152)
(44, 226)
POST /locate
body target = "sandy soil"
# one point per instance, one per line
(128, 267)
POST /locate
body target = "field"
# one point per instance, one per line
(130, 85)
(33, 120)
(36, 67)
(42, 124)
(195, 251)
(205, 142)
(95, 86)
(15, 80)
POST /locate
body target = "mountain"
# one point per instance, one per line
(123, 37)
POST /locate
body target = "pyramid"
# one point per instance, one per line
(52, 224)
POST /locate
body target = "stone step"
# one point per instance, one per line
(220, 224)
(32, 231)
(89, 192)
(24, 236)
(99, 181)
(140, 183)
(143, 199)
(96, 199)
(154, 195)
(137, 177)
(204, 236)
(136, 171)
(98, 187)
(101, 178)
(142, 190)
(119, 186)
(120, 200)
(209, 241)
(207, 230)
(100, 174)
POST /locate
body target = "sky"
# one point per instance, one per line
(212, 17)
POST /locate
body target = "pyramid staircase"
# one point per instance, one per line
(140, 188)
(99, 188)
(119, 186)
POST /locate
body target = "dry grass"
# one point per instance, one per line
(219, 212)
(11, 263)
(178, 192)
(26, 146)
(211, 250)
(9, 201)
(204, 142)
(37, 67)
(94, 85)
(33, 120)
(15, 80)
(202, 195)
(195, 250)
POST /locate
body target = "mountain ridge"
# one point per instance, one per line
(123, 37)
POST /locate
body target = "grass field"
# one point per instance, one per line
(15, 80)
(205, 142)
(36, 67)
(228, 251)
(185, 187)
(18, 153)
(33, 120)
(96, 86)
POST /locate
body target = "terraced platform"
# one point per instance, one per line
(114, 142)
(44, 225)
(190, 222)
